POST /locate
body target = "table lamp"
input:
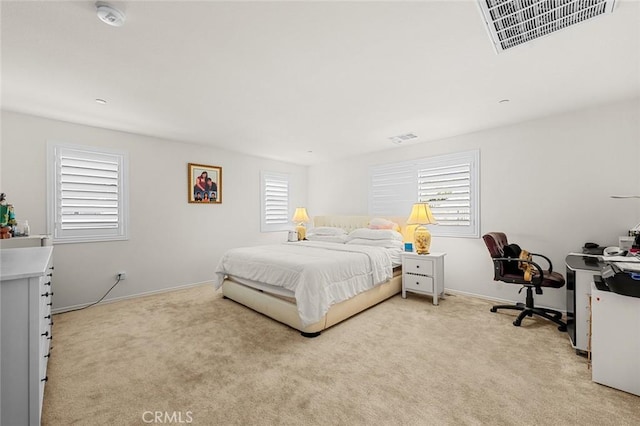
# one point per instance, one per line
(421, 215)
(300, 217)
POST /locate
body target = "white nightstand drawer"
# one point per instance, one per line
(414, 266)
(418, 283)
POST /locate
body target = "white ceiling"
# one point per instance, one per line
(281, 79)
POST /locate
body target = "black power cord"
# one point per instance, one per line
(100, 300)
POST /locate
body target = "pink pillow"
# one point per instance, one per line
(380, 223)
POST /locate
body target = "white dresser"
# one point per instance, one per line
(423, 273)
(25, 332)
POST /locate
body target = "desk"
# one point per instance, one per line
(580, 272)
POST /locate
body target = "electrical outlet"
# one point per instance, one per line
(122, 275)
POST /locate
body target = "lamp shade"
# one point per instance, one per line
(421, 215)
(300, 215)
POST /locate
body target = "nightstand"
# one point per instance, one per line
(424, 274)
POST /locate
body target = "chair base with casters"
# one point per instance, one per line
(529, 310)
(506, 259)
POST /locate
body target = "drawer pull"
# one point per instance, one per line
(417, 266)
(45, 294)
(48, 283)
(46, 378)
(46, 333)
(50, 322)
(48, 355)
(50, 337)
(48, 317)
(417, 282)
(50, 304)
(52, 268)
(49, 275)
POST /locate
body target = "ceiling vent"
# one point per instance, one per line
(513, 22)
(398, 140)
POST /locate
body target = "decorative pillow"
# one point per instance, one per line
(327, 230)
(375, 234)
(327, 238)
(380, 223)
(393, 244)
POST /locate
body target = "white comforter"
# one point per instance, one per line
(320, 274)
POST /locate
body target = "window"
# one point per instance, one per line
(87, 194)
(275, 202)
(448, 183)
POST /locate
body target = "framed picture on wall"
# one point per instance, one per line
(205, 184)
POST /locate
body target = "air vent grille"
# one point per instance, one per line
(402, 138)
(513, 22)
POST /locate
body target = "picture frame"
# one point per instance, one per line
(205, 184)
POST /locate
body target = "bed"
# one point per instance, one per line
(282, 301)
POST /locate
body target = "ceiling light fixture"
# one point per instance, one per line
(109, 14)
(101, 101)
(504, 101)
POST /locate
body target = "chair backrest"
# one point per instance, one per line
(495, 242)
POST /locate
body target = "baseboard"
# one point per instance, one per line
(131, 296)
(495, 299)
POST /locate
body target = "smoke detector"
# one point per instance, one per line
(109, 14)
(513, 22)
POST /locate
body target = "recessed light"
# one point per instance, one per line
(101, 101)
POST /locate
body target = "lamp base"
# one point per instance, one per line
(422, 240)
(302, 232)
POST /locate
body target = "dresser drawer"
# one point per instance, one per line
(422, 267)
(418, 282)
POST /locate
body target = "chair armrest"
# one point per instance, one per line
(545, 258)
(536, 280)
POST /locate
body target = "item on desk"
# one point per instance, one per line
(408, 247)
(614, 251)
(626, 283)
(625, 243)
(635, 248)
(592, 248)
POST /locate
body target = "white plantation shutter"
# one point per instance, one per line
(448, 183)
(275, 202)
(87, 194)
(393, 189)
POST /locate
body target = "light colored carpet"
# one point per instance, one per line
(202, 358)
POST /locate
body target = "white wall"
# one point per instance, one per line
(545, 183)
(171, 243)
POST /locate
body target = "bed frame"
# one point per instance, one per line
(286, 311)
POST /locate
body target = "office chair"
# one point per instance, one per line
(505, 268)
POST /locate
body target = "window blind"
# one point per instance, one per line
(447, 190)
(448, 183)
(89, 195)
(275, 202)
(87, 200)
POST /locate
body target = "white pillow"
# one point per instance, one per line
(327, 238)
(375, 234)
(392, 244)
(327, 230)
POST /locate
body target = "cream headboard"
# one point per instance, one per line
(349, 223)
